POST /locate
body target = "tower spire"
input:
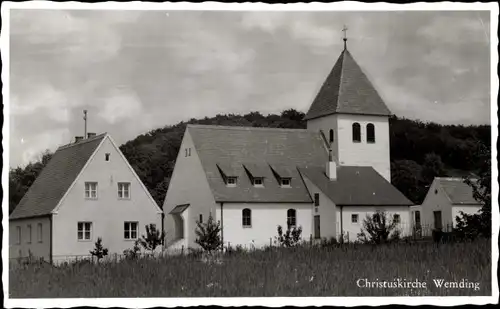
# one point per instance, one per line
(344, 29)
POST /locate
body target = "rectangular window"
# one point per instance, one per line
(285, 182)
(201, 218)
(258, 182)
(84, 230)
(130, 230)
(124, 190)
(231, 181)
(106, 156)
(39, 232)
(29, 234)
(189, 152)
(18, 234)
(91, 190)
(397, 218)
(316, 199)
(354, 218)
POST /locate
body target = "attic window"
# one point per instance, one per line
(286, 182)
(106, 156)
(231, 181)
(436, 191)
(258, 182)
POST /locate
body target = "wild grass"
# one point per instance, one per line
(302, 271)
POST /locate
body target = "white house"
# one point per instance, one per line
(444, 201)
(87, 190)
(326, 178)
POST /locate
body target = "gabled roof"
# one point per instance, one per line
(347, 90)
(56, 178)
(261, 147)
(356, 186)
(458, 192)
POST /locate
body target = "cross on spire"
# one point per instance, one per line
(344, 29)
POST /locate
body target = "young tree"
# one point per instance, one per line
(153, 238)
(378, 229)
(133, 253)
(291, 237)
(208, 235)
(99, 251)
(472, 226)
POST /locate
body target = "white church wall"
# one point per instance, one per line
(353, 228)
(326, 210)
(326, 124)
(436, 200)
(375, 154)
(265, 219)
(188, 185)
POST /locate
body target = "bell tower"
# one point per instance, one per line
(352, 116)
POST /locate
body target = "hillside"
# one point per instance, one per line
(419, 152)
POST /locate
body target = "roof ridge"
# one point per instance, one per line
(246, 128)
(340, 78)
(87, 140)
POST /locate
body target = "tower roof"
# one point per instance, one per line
(347, 90)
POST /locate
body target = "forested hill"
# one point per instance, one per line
(419, 151)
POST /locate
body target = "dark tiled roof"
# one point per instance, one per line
(282, 170)
(56, 178)
(457, 191)
(356, 186)
(257, 169)
(257, 147)
(347, 90)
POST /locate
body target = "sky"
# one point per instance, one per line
(135, 71)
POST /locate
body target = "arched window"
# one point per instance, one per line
(332, 138)
(356, 132)
(370, 133)
(291, 217)
(247, 217)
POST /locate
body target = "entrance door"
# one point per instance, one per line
(316, 227)
(438, 223)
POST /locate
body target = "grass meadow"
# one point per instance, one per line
(301, 271)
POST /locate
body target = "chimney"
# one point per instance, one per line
(78, 138)
(331, 167)
(89, 135)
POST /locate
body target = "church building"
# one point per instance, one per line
(326, 178)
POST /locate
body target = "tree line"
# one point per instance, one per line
(419, 152)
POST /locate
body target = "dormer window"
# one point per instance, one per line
(258, 182)
(286, 182)
(231, 181)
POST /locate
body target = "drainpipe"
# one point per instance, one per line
(51, 239)
(222, 224)
(341, 224)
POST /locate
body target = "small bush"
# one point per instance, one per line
(379, 229)
(153, 238)
(329, 242)
(208, 235)
(99, 251)
(134, 253)
(290, 238)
